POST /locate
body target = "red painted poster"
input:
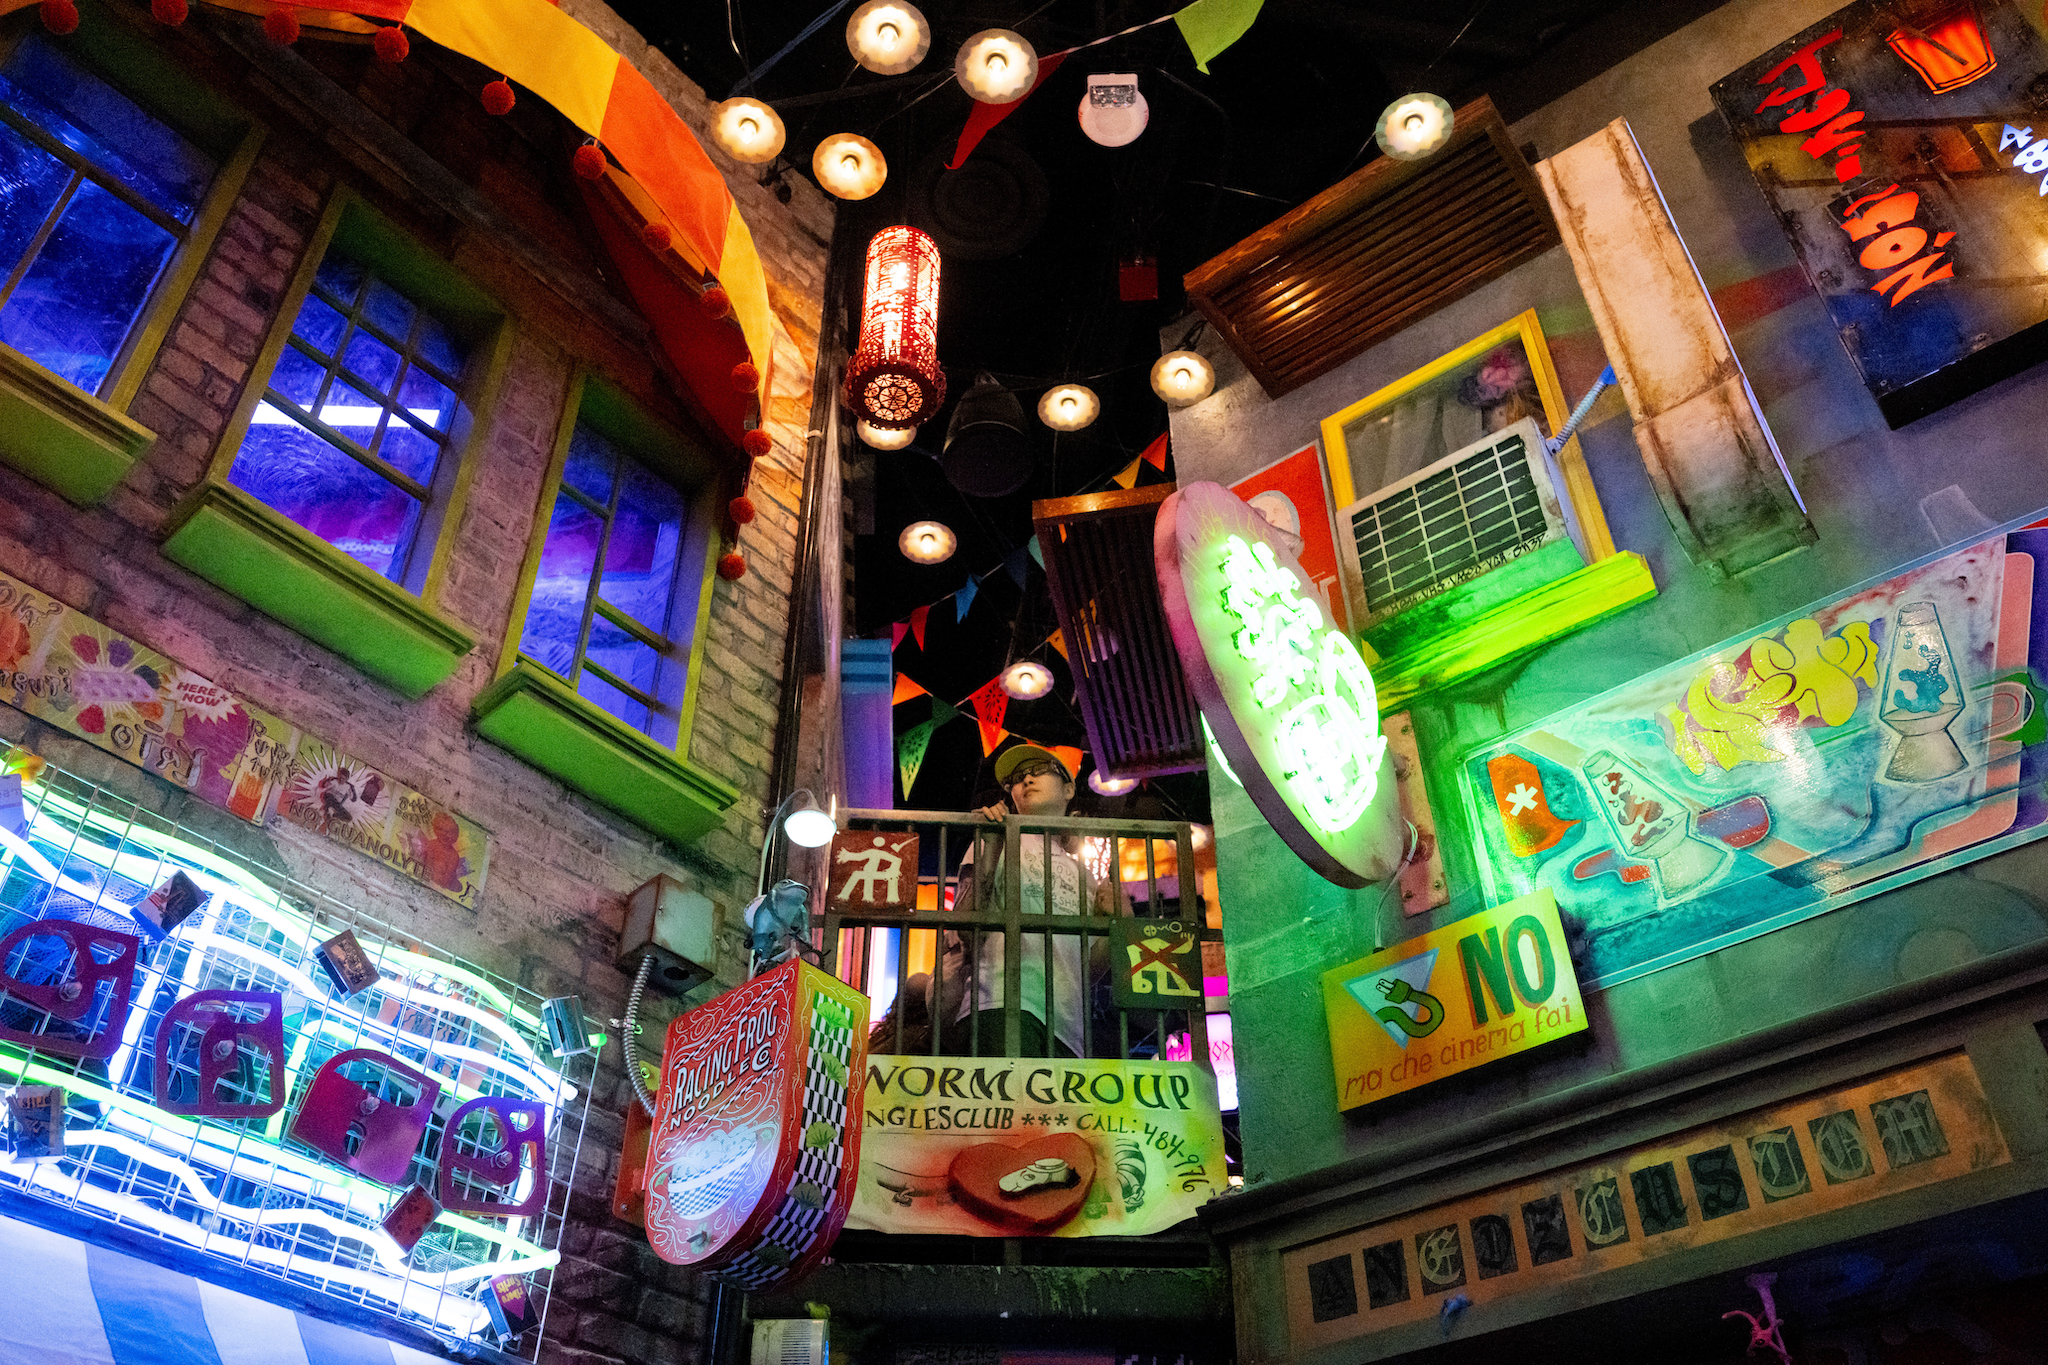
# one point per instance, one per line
(1294, 496)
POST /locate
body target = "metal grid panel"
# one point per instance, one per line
(245, 1190)
(1423, 537)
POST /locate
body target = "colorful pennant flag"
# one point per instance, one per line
(1128, 476)
(943, 711)
(1067, 754)
(991, 736)
(897, 630)
(964, 599)
(1155, 454)
(910, 751)
(1210, 26)
(987, 116)
(1058, 640)
(917, 624)
(906, 689)
(1014, 562)
(990, 702)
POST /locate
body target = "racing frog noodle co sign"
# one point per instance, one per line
(1489, 986)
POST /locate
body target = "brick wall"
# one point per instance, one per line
(561, 866)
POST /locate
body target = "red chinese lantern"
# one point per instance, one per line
(894, 380)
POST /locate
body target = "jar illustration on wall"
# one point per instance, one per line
(1652, 826)
(1922, 697)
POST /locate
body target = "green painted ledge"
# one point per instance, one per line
(236, 543)
(1477, 643)
(534, 714)
(61, 436)
(1408, 631)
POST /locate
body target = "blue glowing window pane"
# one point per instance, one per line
(336, 498)
(372, 361)
(554, 615)
(589, 467)
(31, 181)
(595, 689)
(437, 348)
(105, 127)
(75, 306)
(353, 413)
(640, 559)
(298, 377)
(412, 451)
(319, 325)
(341, 278)
(427, 398)
(390, 310)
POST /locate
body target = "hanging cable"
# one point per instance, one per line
(630, 1026)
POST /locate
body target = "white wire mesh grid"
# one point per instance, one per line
(246, 1190)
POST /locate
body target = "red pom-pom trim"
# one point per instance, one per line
(589, 161)
(745, 377)
(757, 443)
(741, 510)
(391, 45)
(498, 98)
(716, 302)
(60, 16)
(171, 12)
(281, 26)
(657, 236)
(732, 567)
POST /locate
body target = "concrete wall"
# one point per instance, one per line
(1863, 485)
(561, 866)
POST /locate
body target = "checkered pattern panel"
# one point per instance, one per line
(794, 1230)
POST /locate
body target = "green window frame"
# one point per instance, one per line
(77, 442)
(543, 705)
(383, 620)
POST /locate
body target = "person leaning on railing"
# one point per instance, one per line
(971, 981)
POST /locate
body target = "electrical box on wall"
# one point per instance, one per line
(678, 927)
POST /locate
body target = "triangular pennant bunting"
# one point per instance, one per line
(964, 599)
(1155, 454)
(897, 630)
(1058, 640)
(1014, 562)
(991, 736)
(1037, 554)
(1210, 26)
(910, 751)
(1065, 753)
(987, 116)
(1128, 475)
(917, 624)
(990, 702)
(905, 690)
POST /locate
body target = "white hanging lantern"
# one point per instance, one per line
(848, 166)
(1068, 407)
(996, 66)
(888, 37)
(927, 542)
(881, 438)
(1414, 126)
(1183, 377)
(747, 130)
(1027, 681)
(1113, 111)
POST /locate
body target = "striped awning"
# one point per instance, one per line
(73, 1303)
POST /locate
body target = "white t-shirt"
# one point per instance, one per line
(1068, 979)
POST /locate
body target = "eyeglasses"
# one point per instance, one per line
(1030, 770)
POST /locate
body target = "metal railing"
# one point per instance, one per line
(1010, 912)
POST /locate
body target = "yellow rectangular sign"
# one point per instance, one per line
(1491, 985)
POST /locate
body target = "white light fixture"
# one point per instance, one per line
(1113, 112)
(883, 438)
(1201, 836)
(1413, 126)
(888, 37)
(849, 166)
(1027, 681)
(927, 542)
(996, 66)
(1183, 377)
(1110, 786)
(747, 130)
(806, 824)
(1068, 407)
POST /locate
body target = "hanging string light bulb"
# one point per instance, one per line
(996, 66)
(1413, 126)
(888, 37)
(927, 542)
(1183, 377)
(1068, 407)
(894, 381)
(1027, 680)
(747, 130)
(882, 439)
(849, 166)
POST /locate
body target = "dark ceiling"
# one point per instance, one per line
(1033, 228)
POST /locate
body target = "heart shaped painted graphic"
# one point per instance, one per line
(977, 1172)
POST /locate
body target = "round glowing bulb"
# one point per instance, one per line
(1110, 786)
(927, 542)
(849, 166)
(888, 37)
(811, 828)
(1068, 407)
(747, 130)
(1413, 127)
(996, 66)
(1027, 681)
(1183, 377)
(1201, 836)
(885, 438)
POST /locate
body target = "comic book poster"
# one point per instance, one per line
(1869, 739)
(1294, 496)
(346, 800)
(1036, 1147)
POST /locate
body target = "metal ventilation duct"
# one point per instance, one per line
(1142, 721)
(1375, 253)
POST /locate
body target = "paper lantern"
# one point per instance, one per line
(1413, 126)
(996, 66)
(1114, 111)
(747, 130)
(894, 381)
(882, 438)
(888, 37)
(1026, 680)
(1068, 407)
(927, 542)
(1183, 377)
(848, 166)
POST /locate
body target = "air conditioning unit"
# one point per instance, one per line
(791, 1341)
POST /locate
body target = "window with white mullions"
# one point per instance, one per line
(351, 438)
(604, 599)
(96, 196)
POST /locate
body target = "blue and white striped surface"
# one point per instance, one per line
(73, 1303)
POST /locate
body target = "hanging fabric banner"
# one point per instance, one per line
(991, 737)
(1058, 640)
(906, 689)
(987, 116)
(990, 702)
(910, 751)
(917, 624)
(1037, 554)
(1210, 26)
(1067, 754)
(1128, 475)
(1155, 454)
(897, 630)
(943, 711)
(964, 599)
